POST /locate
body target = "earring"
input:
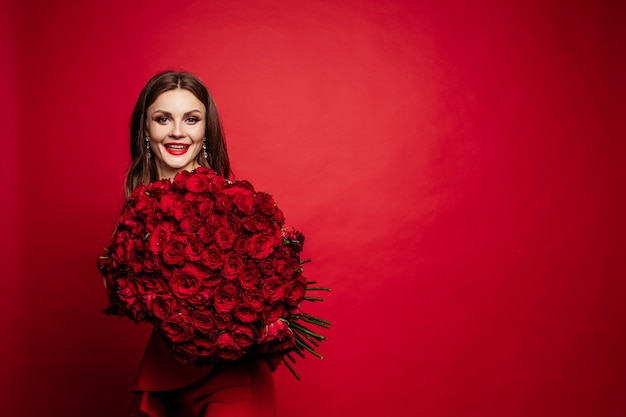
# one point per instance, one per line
(206, 155)
(148, 146)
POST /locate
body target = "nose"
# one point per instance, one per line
(177, 130)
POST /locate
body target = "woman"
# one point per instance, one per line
(175, 127)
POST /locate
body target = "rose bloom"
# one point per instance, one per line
(223, 202)
(233, 266)
(174, 253)
(226, 347)
(185, 283)
(254, 299)
(197, 183)
(294, 291)
(285, 267)
(267, 267)
(243, 335)
(272, 313)
(169, 202)
(243, 200)
(158, 238)
(205, 234)
(260, 246)
(240, 245)
(225, 298)
(204, 207)
(222, 321)
(224, 238)
(164, 306)
(256, 223)
(194, 249)
(273, 289)
(177, 329)
(191, 224)
(201, 299)
(216, 184)
(250, 276)
(275, 337)
(202, 321)
(265, 203)
(245, 314)
(184, 210)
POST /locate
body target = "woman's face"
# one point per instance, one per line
(175, 125)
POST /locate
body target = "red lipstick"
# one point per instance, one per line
(176, 149)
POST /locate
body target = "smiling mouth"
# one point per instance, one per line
(176, 148)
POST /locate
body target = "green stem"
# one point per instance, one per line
(303, 344)
(302, 329)
(291, 369)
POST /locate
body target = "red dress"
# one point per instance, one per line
(167, 388)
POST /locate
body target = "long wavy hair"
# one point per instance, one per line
(143, 169)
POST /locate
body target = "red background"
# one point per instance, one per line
(455, 168)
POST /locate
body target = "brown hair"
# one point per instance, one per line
(143, 169)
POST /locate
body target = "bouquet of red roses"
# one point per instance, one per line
(211, 265)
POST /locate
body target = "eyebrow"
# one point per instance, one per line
(169, 114)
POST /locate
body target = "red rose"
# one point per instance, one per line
(222, 321)
(285, 268)
(205, 234)
(183, 210)
(177, 328)
(278, 216)
(223, 202)
(169, 202)
(273, 289)
(250, 276)
(243, 184)
(243, 335)
(243, 200)
(190, 224)
(206, 341)
(174, 253)
(233, 266)
(216, 184)
(240, 245)
(150, 285)
(180, 181)
(272, 313)
(224, 238)
(213, 257)
(194, 249)
(197, 183)
(267, 267)
(202, 321)
(226, 347)
(265, 203)
(201, 299)
(164, 306)
(256, 223)
(225, 298)
(276, 337)
(185, 283)
(204, 207)
(159, 237)
(246, 314)
(294, 291)
(260, 246)
(212, 280)
(230, 221)
(254, 299)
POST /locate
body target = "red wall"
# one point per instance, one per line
(455, 168)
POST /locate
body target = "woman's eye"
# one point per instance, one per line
(192, 120)
(161, 119)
